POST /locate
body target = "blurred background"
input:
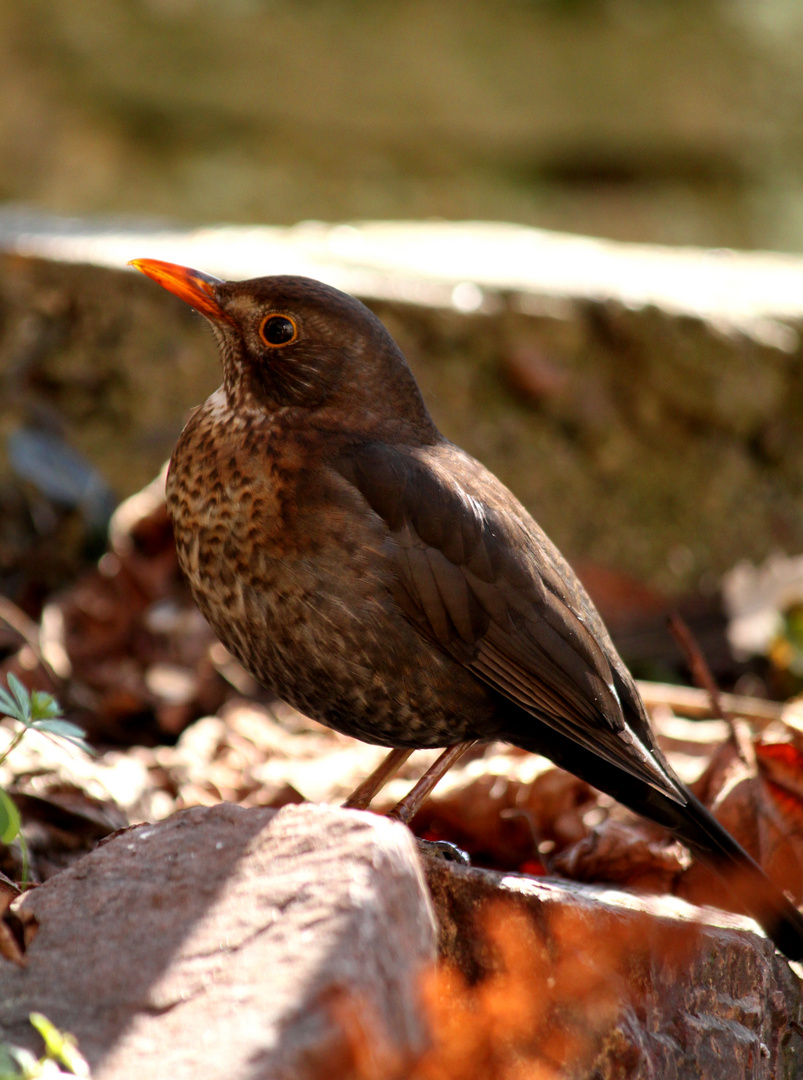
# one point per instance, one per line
(677, 121)
(659, 447)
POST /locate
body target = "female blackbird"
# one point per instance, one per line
(382, 581)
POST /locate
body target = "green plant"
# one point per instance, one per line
(36, 711)
(60, 1049)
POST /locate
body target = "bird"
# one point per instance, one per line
(382, 581)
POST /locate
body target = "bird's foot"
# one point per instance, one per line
(443, 849)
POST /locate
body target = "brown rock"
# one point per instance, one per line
(222, 942)
(227, 942)
(625, 985)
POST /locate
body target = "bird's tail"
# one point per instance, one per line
(749, 885)
(687, 818)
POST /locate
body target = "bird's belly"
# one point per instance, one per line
(306, 612)
(344, 660)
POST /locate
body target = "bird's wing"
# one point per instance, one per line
(478, 577)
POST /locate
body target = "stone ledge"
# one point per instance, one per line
(700, 992)
(636, 399)
(464, 266)
(222, 940)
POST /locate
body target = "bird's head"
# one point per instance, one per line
(292, 343)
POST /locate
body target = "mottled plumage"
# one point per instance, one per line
(381, 580)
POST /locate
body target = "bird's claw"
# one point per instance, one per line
(444, 850)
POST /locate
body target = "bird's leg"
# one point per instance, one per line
(406, 810)
(361, 797)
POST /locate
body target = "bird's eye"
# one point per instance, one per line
(276, 330)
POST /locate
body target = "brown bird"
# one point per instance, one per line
(382, 581)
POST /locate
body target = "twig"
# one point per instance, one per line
(16, 619)
(701, 674)
(690, 701)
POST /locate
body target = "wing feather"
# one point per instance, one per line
(491, 590)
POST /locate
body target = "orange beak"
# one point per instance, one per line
(195, 288)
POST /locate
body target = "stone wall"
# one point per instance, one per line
(660, 442)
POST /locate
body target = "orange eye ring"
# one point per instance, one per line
(277, 330)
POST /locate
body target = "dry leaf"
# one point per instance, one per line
(631, 854)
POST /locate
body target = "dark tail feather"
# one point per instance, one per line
(752, 889)
(691, 823)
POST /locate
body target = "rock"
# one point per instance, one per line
(226, 942)
(289, 944)
(635, 986)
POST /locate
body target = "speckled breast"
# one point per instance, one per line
(309, 616)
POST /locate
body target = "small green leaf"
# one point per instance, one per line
(7, 703)
(60, 1046)
(8, 1065)
(22, 1064)
(44, 706)
(9, 818)
(63, 728)
(22, 696)
(65, 731)
(53, 1038)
